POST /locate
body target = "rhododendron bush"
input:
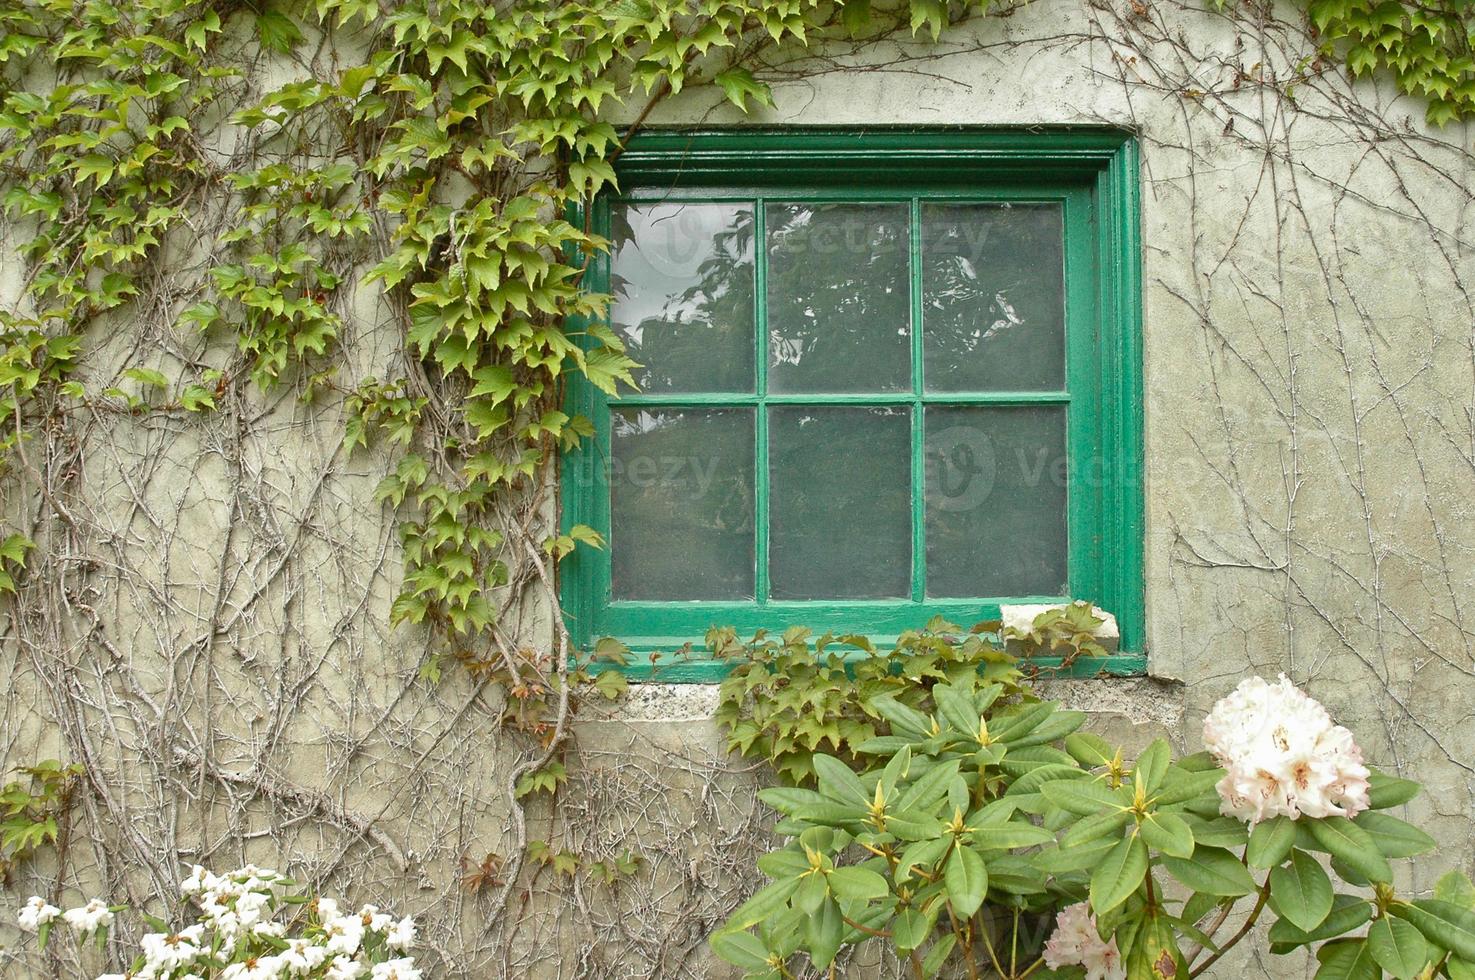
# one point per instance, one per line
(249, 925)
(985, 835)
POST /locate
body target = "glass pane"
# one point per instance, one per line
(993, 297)
(682, 280)
(839, 314)
(681, 503)
(996, 488)
(839, 503)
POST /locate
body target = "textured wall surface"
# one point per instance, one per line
(211, 635)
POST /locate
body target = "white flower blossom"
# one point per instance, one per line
(402, 936)
(345, 934)
(89, 917)
(400, 969)
(36, 913)
(1076, 942)
(1283, 756)
(303, 955)
(237, 920)
(344, 968)
(256, 968)
(374, 920)
(166, 951)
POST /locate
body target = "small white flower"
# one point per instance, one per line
(273, 929)
(400, 969)
(345, 934)
(303, 955)
(1076, 942)
(374, 920)
(164, 952)
(327, 909)
(36, 913)
(89, 917)
(1283, 756)
(343, 968)
(402, 936)
(256, 968)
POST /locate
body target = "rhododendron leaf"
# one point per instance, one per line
(1348, 912)
(929, 788)
(1347, 959)
(1220, 831)
(854, 882)
(1065, 859)
(1119, 874)
(1168, 833)
(1454, 887)
(910, 930)
(956, 708)
(1348, 842)
(1152, 765)
(838, 781)
(764, 903)
(1213, 871)
(1154, 954)
(1398, 947)
(741, 949)
(966, 880)
(1386, 791)
(1097, 826)
(1089, 749)
(1447, 926)
(938, 954)
(1270, 842)
(1083, 797)
(1395, 838)
(1180, 785)
(811, 894)
(1301, 892)
(1458, 969)
(826, 930)
(1009, 835)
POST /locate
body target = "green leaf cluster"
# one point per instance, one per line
(956, 837)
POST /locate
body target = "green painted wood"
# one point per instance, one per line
(1092, 174)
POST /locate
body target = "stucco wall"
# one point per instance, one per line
(222, 654)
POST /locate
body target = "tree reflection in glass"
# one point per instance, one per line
(993, 297)
(839, 317)
(682, 279)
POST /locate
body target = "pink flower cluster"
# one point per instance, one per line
(1283, 755)
(1076, 942)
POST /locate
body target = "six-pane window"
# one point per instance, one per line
(858, 405)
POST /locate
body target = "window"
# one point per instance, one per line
(885, 375)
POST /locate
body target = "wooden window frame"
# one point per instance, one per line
(1092, 174)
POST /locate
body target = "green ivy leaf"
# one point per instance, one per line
(739, 85)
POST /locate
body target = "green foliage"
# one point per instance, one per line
(32, 809)
(957, 836)
(788, 698)
(1426, 47)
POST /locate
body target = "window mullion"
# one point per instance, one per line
(914, 278)
(760, 380)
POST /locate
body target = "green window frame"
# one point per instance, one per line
(1090, 173)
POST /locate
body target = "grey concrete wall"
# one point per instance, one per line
(1310, 382)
